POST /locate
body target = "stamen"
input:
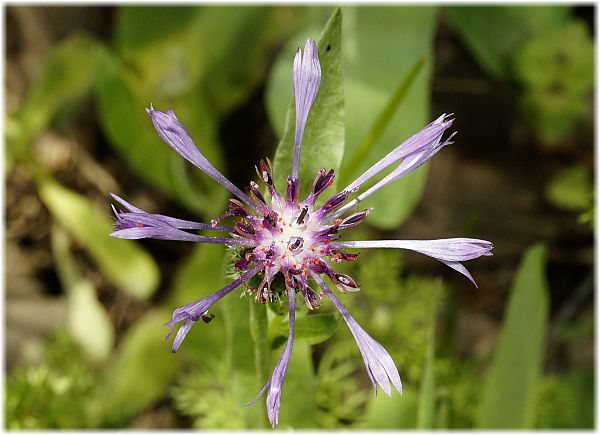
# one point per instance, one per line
(300, 219)
(295, 243)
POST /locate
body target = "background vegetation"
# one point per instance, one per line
(84, 312)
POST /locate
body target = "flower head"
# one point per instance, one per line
(294, 237)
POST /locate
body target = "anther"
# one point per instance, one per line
(303, 213)
(295, 243)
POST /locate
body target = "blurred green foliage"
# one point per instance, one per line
(377, 66)
(547, 53)
(55, 394)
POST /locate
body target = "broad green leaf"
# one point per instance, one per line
(67, 77)
(123, 261)
(130, 130)
(396, 412)
(495, 34)
(382, 122)
(65, 80)
(381, 47)
(88, 321)
(162, 43)
(141, 371)
(323, 142)
(313, 328)
(509, 397)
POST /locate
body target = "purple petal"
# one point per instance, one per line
(378, 362)
(275, 384)
(449, 251)
(177, 137)
(191, 313)
(148, 226)
(455, 249)
(177, 223)
(307, 80)
(461, 269)
(427, 138)
(407, 165)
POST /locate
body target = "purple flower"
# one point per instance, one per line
(296, 238)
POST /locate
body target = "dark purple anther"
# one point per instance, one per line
(295, 271)
(255, 194)
(301, 217)
(295, 243)
(344, 282)
(323, 181)
(264, 292)
(270, 220)
(266, 172)
(310, 297)
(317, 265)
(338, 256)
(244, 229)
(355, 219)
(292, 190)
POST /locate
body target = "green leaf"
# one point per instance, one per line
(162, 43)
(396, 412)
(123, 261)
(141, 371)
(382, 121)
(67, 76)
(313, 328)
(323, 142)
(130, 130)
(65, 80)
(509, 396)
(382, 45)
(484, 31)
(88, 321)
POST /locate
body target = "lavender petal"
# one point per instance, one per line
(275, 383)
(449, 251)
(191, 313)
(417, 143)
(177, 137)
(307, 80)
(177, 223)
(454, 249)
(378, 362)
(407, 165)
(148, 226)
